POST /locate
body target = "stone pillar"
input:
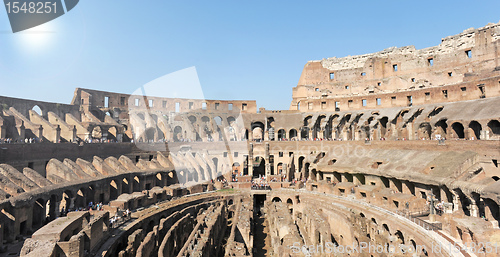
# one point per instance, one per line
(321, 134)
(268, 164)
(284, 171)
(22, 131)
(40, 132)
(409, 128)
(474, 210)
(311, 134)
(73, 134)
(250, 160)
(3, 134)
(58, 134)
(456, 202)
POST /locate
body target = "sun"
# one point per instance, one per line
(36, 39)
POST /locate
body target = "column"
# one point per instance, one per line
(268, 165)
(250, 159)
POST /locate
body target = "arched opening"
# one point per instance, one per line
(435, 111)
(458, 128)
(476, 128)
(292, 134)
(216, 164)
(136, 184)
(37, 109)
(150, 134)
(113, 190)
(80, 199)
(281, 134)
(178, 136)
(257, 131)
(441, 127)
(494, 126)
(276, 200)
(218, 120)
(259, 168)
(289, 203)
(425, 130)
(270, 128)
(492, 210)
(66, 202)
(279, 168)
(306, 170)
(301, 163)
(125, 186)
(97, 132)
(304, 133)
(38, 213)
(159, 180)
(400, 237)
(236, 168)
(383, 126)
(386, 228)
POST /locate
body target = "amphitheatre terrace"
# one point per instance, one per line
(398, 149)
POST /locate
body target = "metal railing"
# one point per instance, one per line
(423, 223)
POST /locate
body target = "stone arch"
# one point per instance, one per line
(38, 110)
(292, 134)
(276, 200)
(125, 186)
(80, 198)
(494, 127)
(307, 120)
(476, 129)
(218, 120)
(304, 132)
(261, 169)
(301, 163)
(317, 126)
(279, 168)
(215, 160)
(424, 130)
(257, 131)
(399, 235)
(113, 190)
(236, 167)
(66, 201)
(136, 184)
(97, 132)
(458, 128)
(383, 126)
(178, 135)
(39, 213)
(281, 134)
(386, 228)
(441, 127)
(289, 203)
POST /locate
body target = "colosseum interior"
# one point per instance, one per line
(394, 153)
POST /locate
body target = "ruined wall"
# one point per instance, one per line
(463, 67)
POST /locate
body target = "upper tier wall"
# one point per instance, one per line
(463, 60)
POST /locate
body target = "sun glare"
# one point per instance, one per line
(36, 39)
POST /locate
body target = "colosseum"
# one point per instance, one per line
(393, 153)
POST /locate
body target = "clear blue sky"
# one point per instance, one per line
(241, 49)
